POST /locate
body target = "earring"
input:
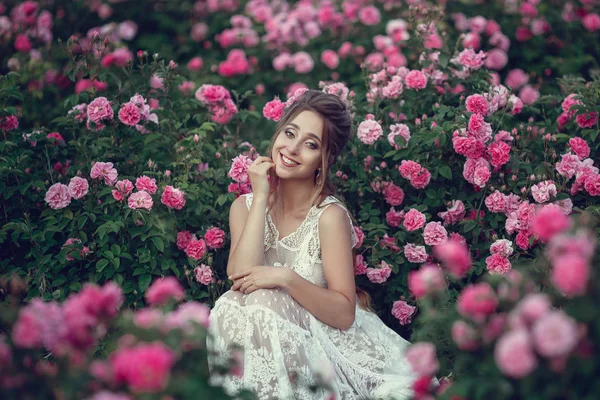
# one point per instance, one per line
(318, 177)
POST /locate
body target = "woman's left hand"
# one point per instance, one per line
(260, 277)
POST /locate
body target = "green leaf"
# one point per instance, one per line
(443, 59)
(446, 172)
(158, 242)
(469, 226)
(100, 265)
(144, 282)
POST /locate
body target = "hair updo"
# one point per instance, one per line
(337, 130)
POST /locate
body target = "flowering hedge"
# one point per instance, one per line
(123, 152)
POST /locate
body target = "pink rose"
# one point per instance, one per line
(302, 62)
(239, 169)
(146, 183)
(529, 95)
(359, 235)
(477, 301)
(514, 354)
(360, 268)
(580, 147)
(84, 250)
(141, 199)
(413, 220)
(470, 60)
(464, 335)
(129, 114)
(145, 367)
(533, 307)
(369, 131)
(516, 78)
(477, 104)
(369, 15)
(163, 290)
(415, 79)
(58, 196)
(78, 187)
(468, 146)
(497, 264)
(398, 130)
(587, 120)
(330, 59)
(23, 43)
(204, 274)
(273, 110)
(499, 153)
(173, 198)
(212, 94)
(568, 165)
(124, 189)
(394, 196)
(542, 191)
(502, 246)
(570, 274)
(434, 234)
(428, 279)
(549, 221)
(148, 318)
(9, 123)
(215, 238)
(555, 334)
(496, 59)
(454, 214)
(105, 171)
(455, 256)
(422, 359)
(379, 275)
(409, 169)
(187, 316)
(421, 180)
(394, 218)
(99, 109)
(195, 64)
(591, 22)
(415, 254)
(183, 239)
(403, 311)
(592, 184)
(196, 249)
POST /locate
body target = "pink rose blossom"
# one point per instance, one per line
(477, 301)
(413, 220)
(498, 264)
(591, 22)
(239, 169)
(146, 367)
(421, 180)
(359, 235)
(369, 131)
(428, 279)
(416, 80)
(173, 198)
(570, 101)
(394, 218)
(360, 268)
(196, 249)
(369, 15)
(78, 187)
(570, 274)
(533, 307)
(549, 221)
(422, 359)
(499, 153)
(529, 95)
(476, 103)
(568, 165)
(393, 89)
(415, 254)
(212, 94)
(542, 191)
(409, 169)
(468, 146)
(183, 239)
(124, 189)
(514, 354)
(163, 290)
(454, 214)
(204, 274)
(393, 194)
(455, 256)
(187, 316)
(302, 62)
(99, 110)
(470, 60)
(379, 275)
(502, 246)
(398, 130)
(403, 312)
(148, 318)
(141, 199)
(555, 334)
(330, 59)
(105, 171)
(195, 64)
(580, 147)
(434, 234)
(146, 183)
(496, 59)
(516, 105)
(592, 184)
(516, 78)
(82, 253)
(587, 120)
(464, 335)
(129, 114)
(273, 110)
(58, 196)
(9, 123)
(215, 238)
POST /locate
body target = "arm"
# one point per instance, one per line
(336, 304)
(247, 229)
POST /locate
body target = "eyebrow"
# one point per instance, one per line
(308, 133)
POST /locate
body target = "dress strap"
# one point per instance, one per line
(329, 200)
(249, 197)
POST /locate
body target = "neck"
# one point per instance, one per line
(295, 195)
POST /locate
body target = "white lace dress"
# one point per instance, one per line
(285, 347)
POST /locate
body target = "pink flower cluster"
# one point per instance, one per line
(426, 280)
(204, 274)
(417, 175)
(9, 123)
(274, 109)
(454, 255)
(70, 328)
(69, 245)
(403, 311)
(144, 367)
(401, 130)
(379, 275)
(135, 111)
(583, 169)
(235, 64)
(218, 101)
(241, 33)
(239, 173)
(59, 195)
(454, 214)
(369, 130)
(164, 290)
(214, 239)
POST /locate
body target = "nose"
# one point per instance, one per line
(293, 147)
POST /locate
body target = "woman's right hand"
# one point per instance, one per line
(258, 173)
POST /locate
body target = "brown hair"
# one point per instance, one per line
(337, 130)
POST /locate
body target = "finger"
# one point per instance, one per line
(245, 287)
(261, 159)
(251, 288)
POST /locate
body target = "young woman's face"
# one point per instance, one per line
(298, 147)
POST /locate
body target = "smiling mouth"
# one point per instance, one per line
(288, 162)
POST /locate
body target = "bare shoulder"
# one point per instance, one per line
(334, 219)
(239, 206)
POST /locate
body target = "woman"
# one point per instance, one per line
(293, 305)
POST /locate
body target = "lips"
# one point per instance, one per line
(290, 163)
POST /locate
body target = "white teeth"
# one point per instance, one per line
(288, 161)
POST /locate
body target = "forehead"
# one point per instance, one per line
(308, 122)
